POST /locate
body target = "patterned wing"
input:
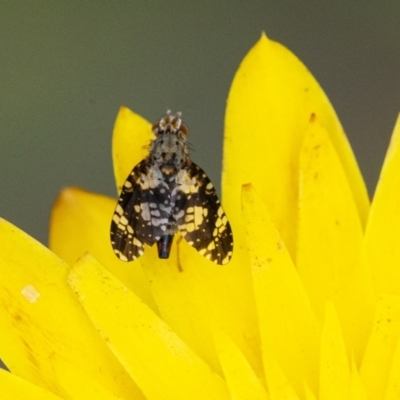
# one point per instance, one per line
(200, 217)
(138, 219)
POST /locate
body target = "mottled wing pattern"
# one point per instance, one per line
(200, 217)
(139, 217)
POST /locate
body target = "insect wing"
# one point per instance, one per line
(133, 223)
(200, 217)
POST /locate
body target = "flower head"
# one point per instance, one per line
(307, 308)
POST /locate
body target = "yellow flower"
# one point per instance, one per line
(308, 307)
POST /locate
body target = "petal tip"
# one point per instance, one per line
(264, 40)
(85, 256)
(67, 195)
(124, 110)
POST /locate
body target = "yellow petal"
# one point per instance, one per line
(80, 222)
(357, 388)
(193, 293)
(334, 370)
(14, 387)
(382, 235)
(131, 137)
(279, 387)
(309, 395)
(45, 337)
(270, 103)
(288, 326)
(330, 240)
(378, 355)
(393, 385)
(161, 364)
(243, 384)
(178, 292)
(85, 387)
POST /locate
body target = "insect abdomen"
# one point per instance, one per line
(164, 246)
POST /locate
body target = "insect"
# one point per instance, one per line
(166, 193)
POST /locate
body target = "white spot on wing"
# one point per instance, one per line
(145, 211)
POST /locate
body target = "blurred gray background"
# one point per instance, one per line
(66, 67)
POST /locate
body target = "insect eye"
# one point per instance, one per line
(156, 128)
(163, 154)
(184, 130)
